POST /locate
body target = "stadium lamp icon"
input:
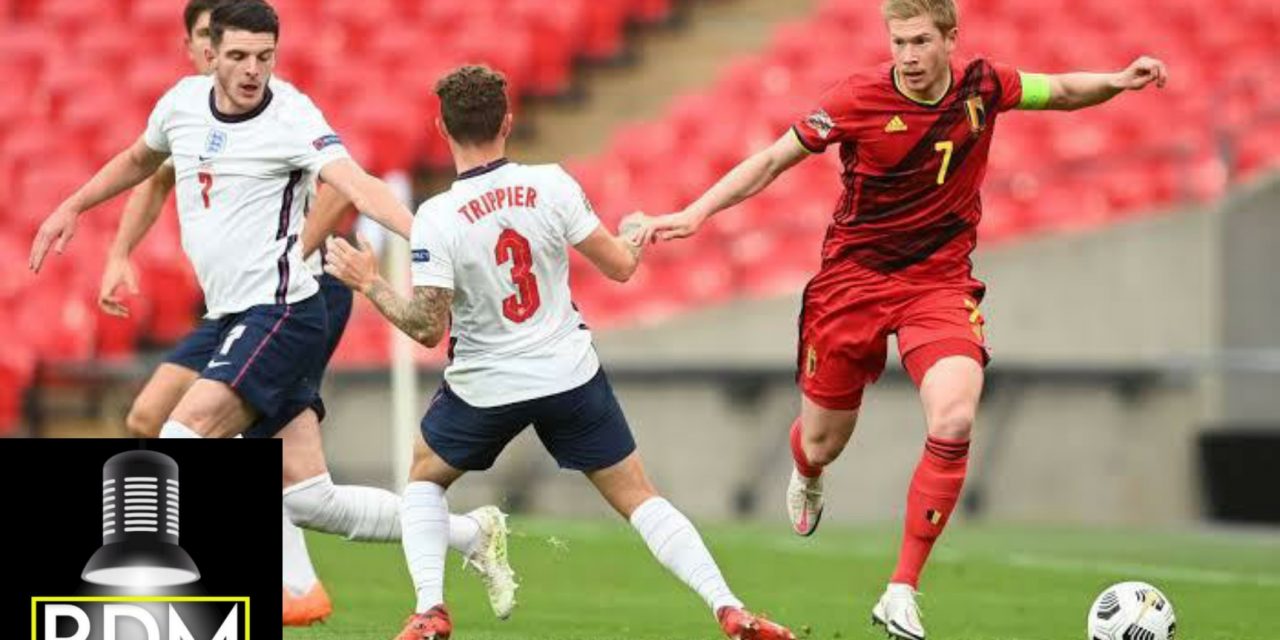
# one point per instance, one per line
(140, 525)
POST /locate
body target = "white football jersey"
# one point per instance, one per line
(500, 238)
(243, 185)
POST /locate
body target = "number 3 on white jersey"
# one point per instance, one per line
(525, 302)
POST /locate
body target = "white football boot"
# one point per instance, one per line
(490, 560)
(804, 503)
(898, 613)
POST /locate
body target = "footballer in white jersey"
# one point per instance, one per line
(244, 149)
(500, 238)
(242, 184)
(491, 254)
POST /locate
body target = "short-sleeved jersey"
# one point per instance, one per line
(243, 183)
(500, 238)
(911, 170)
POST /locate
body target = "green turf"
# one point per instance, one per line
(596, 580)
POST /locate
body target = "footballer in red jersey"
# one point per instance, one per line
(913, 136)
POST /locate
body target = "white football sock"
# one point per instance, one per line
(425, 516)
(359, 513)
(464, 533)
(677, 545)
(362, 513)
(299, 575)
(175, 429)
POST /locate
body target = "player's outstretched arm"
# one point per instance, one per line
(745, 180)
(370, 195)
(140, 213)
(1071, 91)
(615, 256)
(424, 318)
(126, 170)
(323, 218)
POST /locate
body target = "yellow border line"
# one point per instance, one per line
(35, 600)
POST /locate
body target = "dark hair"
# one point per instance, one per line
(473, 103)
(254, 16)
(191, 14)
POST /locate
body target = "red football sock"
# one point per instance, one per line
(806, 468)
(935, 487)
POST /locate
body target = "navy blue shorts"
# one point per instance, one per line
(583, 428)
(194, 350)
(337, 299)
(198, 347)
(271, 356)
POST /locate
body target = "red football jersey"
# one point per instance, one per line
(912, 170)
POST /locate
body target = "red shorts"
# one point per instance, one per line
(847, 315)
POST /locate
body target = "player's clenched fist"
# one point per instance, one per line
(1140, 73)
(672, 226)
(356, 268)
(633, 226)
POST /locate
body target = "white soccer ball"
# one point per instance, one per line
(1131, 611)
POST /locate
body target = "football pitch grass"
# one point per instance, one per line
(595, 580)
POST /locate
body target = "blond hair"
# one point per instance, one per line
(942, 12)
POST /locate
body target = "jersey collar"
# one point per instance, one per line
(951, 81)
(482, 169)
(232, 118)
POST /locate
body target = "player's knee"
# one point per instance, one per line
(308, 502)
(823, 454)
(143, 421)
(954, 424)
(823, 448)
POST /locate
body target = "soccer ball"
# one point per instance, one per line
(1131, 611)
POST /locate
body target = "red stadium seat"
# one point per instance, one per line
(156, 15)
(109, 45)
(72, 17)
(42, 188)
(149, 78)
(391, 127)
(650, 10)
(60, 323)
(13, 104)
(604, 19)
(554, 29)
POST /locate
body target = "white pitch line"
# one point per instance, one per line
(1055, 563)
(1142, 571)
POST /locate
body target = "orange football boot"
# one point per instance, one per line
(312, 607)
(432, 625)
(741, 624)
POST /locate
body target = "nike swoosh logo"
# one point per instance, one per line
(803, 525)
(204, 158)
(214, 364)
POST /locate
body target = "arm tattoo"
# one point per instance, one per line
(424, 318)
